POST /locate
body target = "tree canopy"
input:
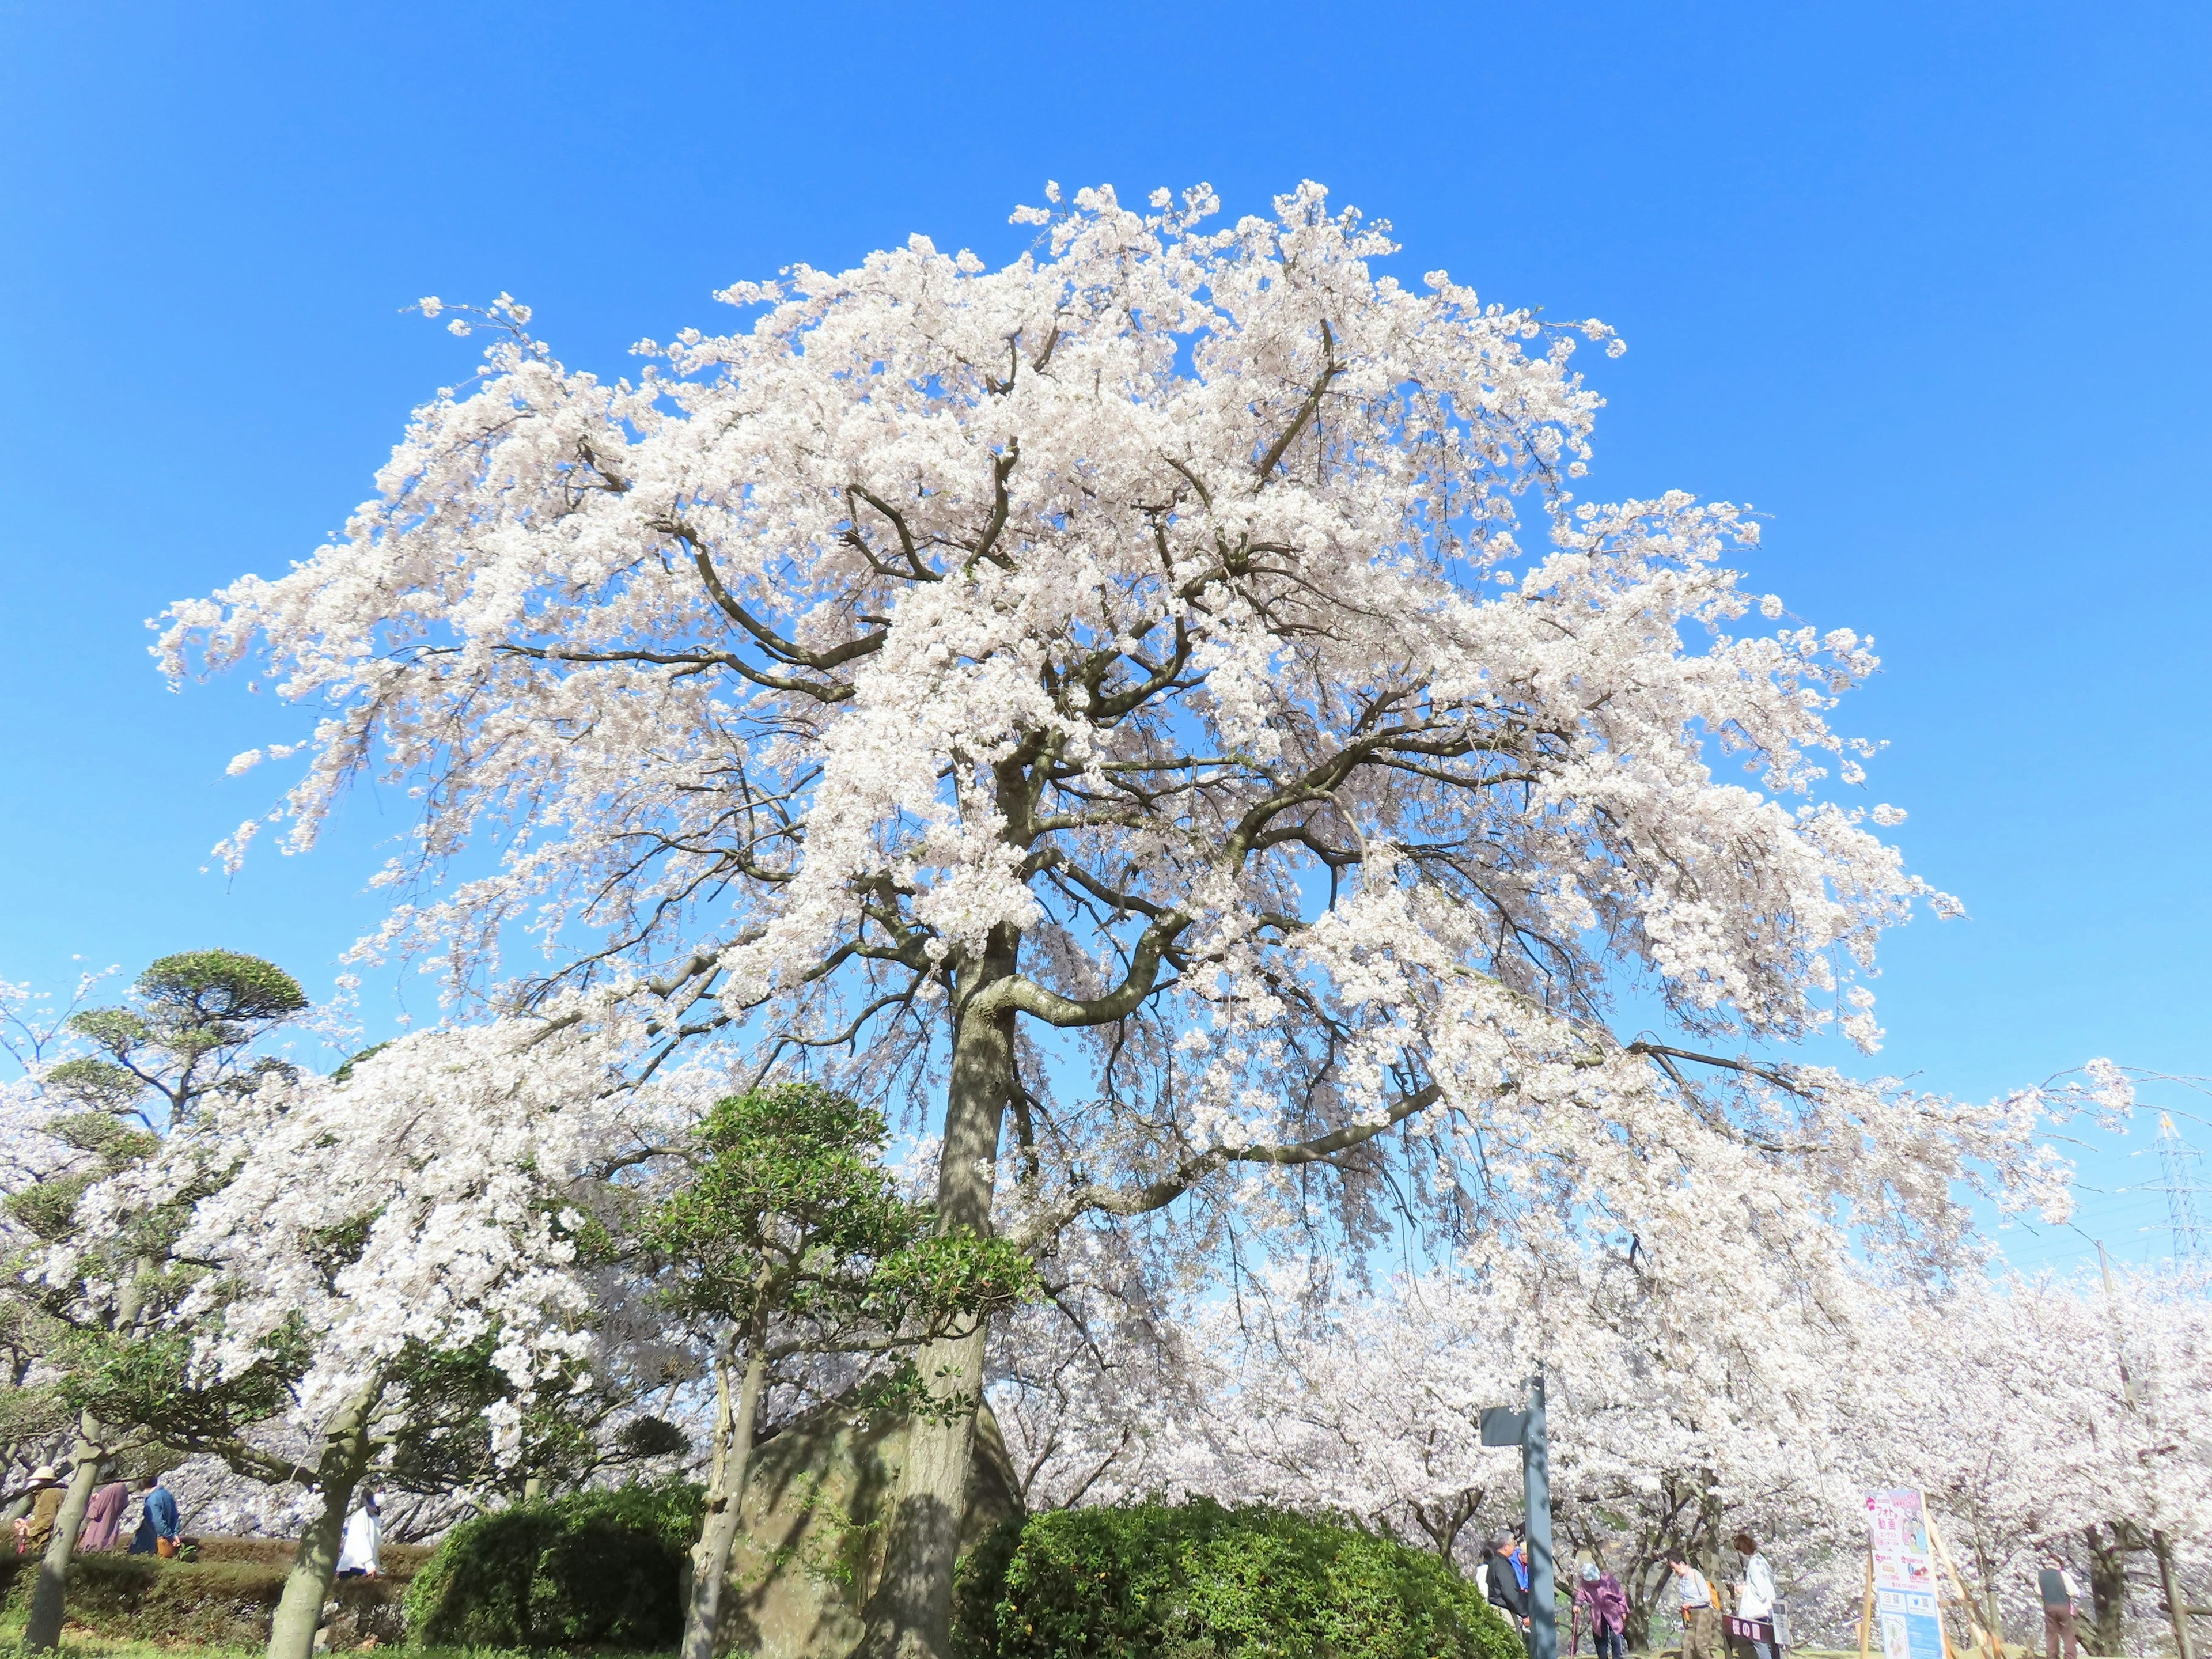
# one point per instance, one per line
(1118, 695)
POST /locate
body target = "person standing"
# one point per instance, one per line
(42, 1478)
(1700, 1612)
(103, 1516)
(32, 1533)
(157, 1531)
(1608, 1602)
(1503, 1585)
(1755, 1599)
(361, 1555)
(2062, 1600)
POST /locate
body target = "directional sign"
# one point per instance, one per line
(1502, 1426)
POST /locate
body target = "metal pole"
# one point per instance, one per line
(1536, 1481)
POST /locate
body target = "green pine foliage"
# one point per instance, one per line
(593, 1569)
(1197, 1581)
(789, 1217)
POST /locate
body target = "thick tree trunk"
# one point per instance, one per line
(315, 1562)
(910, 1616)
(725, 1491)
(43, 1633)
(2108, 1591)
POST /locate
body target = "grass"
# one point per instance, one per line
(77, 1642)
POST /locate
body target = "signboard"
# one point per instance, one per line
(1502, 1427)
(1908, 1624)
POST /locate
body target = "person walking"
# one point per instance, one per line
(2062, 1600)
(1754, 1598)
(1503, 1585)
(360, 1554)
(157, 1529)
(103, 1516)
(1700, 1611)
(1601, 1592)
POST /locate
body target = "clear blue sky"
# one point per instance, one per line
(1926, 283)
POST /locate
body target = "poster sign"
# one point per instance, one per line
(1907, 1617)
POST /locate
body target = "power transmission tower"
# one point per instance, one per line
(2180, 1168)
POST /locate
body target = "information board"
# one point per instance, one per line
(1908, 1623)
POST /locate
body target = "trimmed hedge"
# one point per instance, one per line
(217, 1602)
(1196, 1581)
(593, 1569)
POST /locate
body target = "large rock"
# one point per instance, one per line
(810, 1551)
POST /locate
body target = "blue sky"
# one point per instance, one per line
(1924, 283)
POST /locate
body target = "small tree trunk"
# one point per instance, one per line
(43, 1633)
(315, 1562)
(726, 1492)
(910, 1615)
(2108, 1591)
(1992, 1614)
(2162, 1551)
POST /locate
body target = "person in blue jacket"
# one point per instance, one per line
(157, 1530)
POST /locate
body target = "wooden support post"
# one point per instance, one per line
(1985, 1641)
(1866, 1609)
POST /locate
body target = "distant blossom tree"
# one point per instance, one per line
(1106, 696)
(90, 1296)
(357, 1239)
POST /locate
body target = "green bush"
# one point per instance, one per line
(1196, 1581)
(596, 1569)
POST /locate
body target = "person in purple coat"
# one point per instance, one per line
(103, 1515)
(1602, 1594)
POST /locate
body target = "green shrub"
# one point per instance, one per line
(218, 1604)
(1196, 1581)
(596, 1569)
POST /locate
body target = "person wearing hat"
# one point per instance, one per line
(1601, 1592)
(29, 1523)
(48, 1504)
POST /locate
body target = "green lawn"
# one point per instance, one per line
(78, 1642)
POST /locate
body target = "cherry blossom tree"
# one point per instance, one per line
(187, 1036)
(1108, 696)
(354, 1236)
(2052, 1414)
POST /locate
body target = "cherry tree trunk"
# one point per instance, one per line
(315, 1562)
(2108, 1590)
(911, 1615)
(725, 1491)
(43, 1633)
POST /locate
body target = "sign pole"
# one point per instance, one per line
(1865, 1608)
(1536, 1487)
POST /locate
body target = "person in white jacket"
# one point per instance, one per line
(1754, 1596)
(360, 1552)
